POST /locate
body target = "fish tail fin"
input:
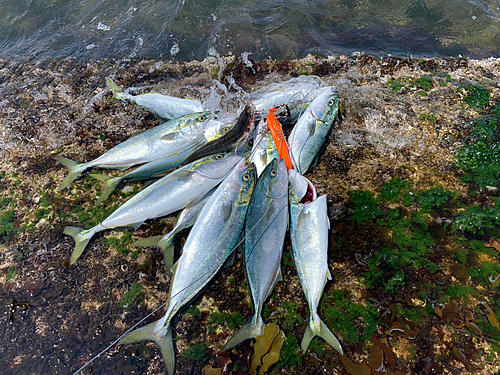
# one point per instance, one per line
(75, 170)
(117, 91)
(81, 237)
(165, 343)
(110, 184)
(317, 327)
(165, 243)
(252, 329)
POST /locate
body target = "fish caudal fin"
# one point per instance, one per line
(165, 243)
(319, 328)
(81, 237)
(252, 329)
(117, 91)
(75, 170)
(110, 184)
(165, 343)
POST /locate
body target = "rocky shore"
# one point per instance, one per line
(403, 119)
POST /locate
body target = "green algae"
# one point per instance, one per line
(131, 297)
(476, 97)
(195, 352)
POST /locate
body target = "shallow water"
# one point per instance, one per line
(186, 30)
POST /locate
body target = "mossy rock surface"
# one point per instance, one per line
(412, 205)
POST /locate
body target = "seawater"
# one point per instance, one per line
(184, 30)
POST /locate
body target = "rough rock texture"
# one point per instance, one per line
(54, 318)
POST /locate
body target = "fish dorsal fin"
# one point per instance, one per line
(278, 278)
(137, 133)
(169, 136)
(226, 210)
(312, 128)
(328, 275)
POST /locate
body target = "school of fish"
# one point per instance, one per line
(237, 179)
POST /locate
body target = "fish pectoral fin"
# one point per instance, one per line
(312, 128)
(271, 212)
(328, 276)
(183, 175)
(278, 278)
(165, 343)
(172, 136)
(226, 210)
(230, 260)
(136, 225)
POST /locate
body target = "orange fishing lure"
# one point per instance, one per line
(279, 138)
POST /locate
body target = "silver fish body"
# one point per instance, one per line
(186, 219)
(159, 167)
(264, 150)
(169, 194)
(296, 93)
(212, 239)
(309, 229)
(163, 140)
(312, 129)
(163, 106)
(265, 230)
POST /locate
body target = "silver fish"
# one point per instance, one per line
(309, 226)
(296, 93)
(265, 230)
(159, 167)
(185, 220)
(264, 150)
(163, 106)
(163, 140)
(169, 194)
(312, 129)
(213, 238)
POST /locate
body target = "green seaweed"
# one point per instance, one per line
(289, 355)
(353, 322)
(132, 297)
(424, 83)
(195, 352)
(476, 97)
(11, 273)
(232, 320)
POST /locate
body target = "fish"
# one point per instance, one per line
(163, 140)
(231, 140)
(160, 167)
(265, 230)
(162, 106)
(212, 239)
(185, 220)
(263, 149)
(296, 93)
(309, 230)
(313, 127)
(169, 194)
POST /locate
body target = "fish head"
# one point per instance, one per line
(248, 180)
(216, 166)
(190, 126)
(218, 127)
(277, 179)
(301, 190)
(326, 106)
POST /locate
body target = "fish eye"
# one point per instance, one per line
(273, 172)
(331, 102)
(220, 156)
(246, 177)
(202, 118)
(226, 129)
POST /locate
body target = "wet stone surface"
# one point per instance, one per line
(54, 318)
